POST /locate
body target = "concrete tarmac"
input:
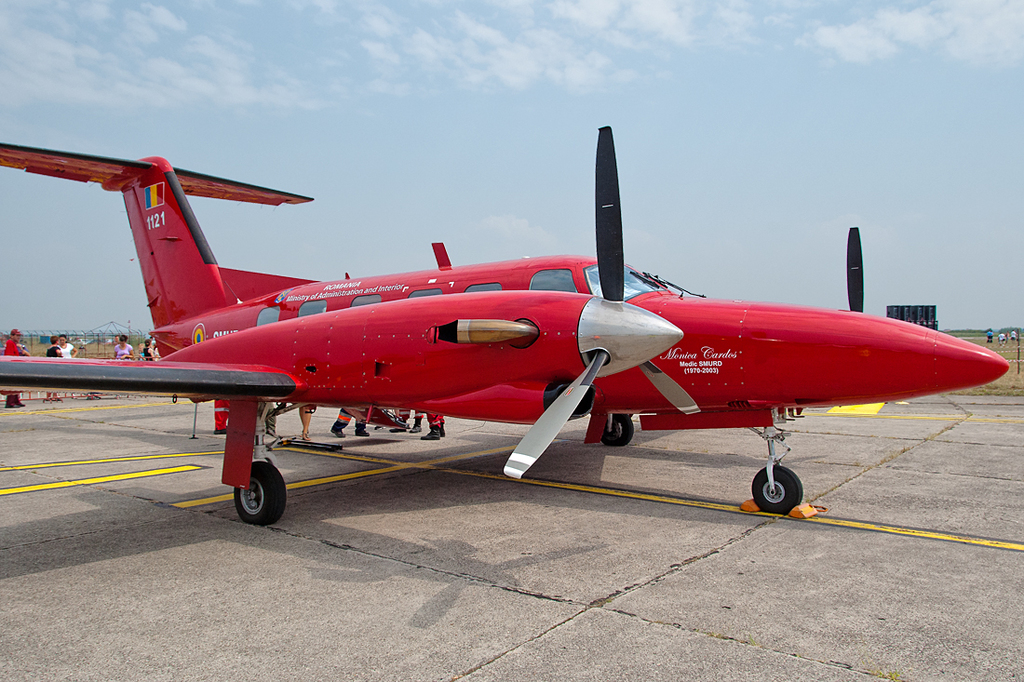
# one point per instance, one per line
(122, 558)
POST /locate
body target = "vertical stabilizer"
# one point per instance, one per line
(178, 268)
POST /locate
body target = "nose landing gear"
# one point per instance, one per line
(776, 489)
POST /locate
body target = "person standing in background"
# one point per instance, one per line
(14, 346)
(53, 351)
(67, 350)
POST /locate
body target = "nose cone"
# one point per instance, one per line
(961, 364)
(631, 335)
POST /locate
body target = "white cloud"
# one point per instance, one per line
(141, 27)
(669, 20)
(381, 22)
(480, 55)
(381, 52)
(855, 43)
(39, 66)
(93, 10)
(982, 32)
(92, 51)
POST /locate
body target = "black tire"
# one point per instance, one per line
(788, 494)
(620, 432)
(263, 503)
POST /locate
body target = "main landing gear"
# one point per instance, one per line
(776, 489)
(619, 430)
(263, 503)
(260, 493)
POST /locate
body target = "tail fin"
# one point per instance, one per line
(179, 270)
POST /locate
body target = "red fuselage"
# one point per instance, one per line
(368, 341)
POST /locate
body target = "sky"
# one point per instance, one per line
(750, 136)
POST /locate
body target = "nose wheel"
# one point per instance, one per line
(779, 497)
(776, 489)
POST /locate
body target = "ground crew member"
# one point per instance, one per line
(221, 408)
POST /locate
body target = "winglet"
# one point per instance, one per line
(441, 254)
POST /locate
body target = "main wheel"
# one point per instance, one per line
(620, 432)
(263, 503)
(788, 492)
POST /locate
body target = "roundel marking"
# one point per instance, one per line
(199, 333)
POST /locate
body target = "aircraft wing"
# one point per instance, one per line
(112, 172)
(185, 379)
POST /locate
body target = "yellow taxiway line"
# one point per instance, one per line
(135, 458)
(433, 464)
(98, 479)
(83, 409)
(661, 499)
(872, 410)
(915, 532)
(392, 466)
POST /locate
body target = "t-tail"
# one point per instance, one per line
(180, 273)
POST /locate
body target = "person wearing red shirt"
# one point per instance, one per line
(14, 347)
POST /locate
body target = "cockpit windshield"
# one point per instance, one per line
(635, 285)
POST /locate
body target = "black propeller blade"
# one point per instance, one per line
(854, 271)
(610, 263)
(614, 336)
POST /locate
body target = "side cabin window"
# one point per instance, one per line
(553, 280)
(312, 308)
(268, 315)
(368, 299)
(488, 286)
(423, 292)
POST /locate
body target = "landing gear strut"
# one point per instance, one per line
(619, 430)
(260, 493)
(776, 489)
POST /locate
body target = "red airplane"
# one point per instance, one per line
(532, 341)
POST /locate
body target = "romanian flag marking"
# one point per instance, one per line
(154, 195)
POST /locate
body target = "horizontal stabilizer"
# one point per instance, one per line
(159, 378)
(113, 173)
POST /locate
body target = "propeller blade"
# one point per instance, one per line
(608, 216)
(672, 391)
(540, 435)
(854, 271)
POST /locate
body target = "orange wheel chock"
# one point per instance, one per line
(803, 511)
(750, 506)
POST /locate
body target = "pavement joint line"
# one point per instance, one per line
(736, 640)
(602, 603)
(528, 640)
(99, 479)
(82, 409)
(432, 569)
